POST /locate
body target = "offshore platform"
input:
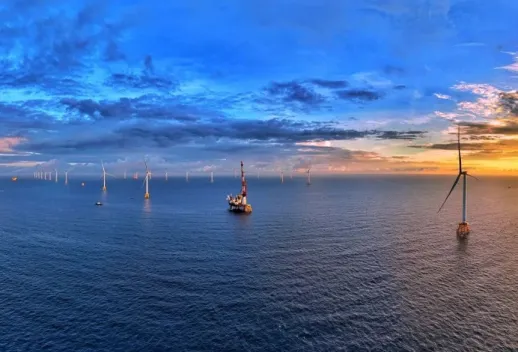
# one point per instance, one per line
(238, 203)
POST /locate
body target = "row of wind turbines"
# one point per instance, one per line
(47, 175)
(308, 178)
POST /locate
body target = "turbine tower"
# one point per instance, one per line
(212, 177)
(166, 175)
(308, 182)
(186, 176)
(282, 176)
(56, 170)
(243, 185)
(146, 181)
(463, 229)
(104, 176)
(66, 175)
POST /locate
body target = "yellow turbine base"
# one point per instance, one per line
(104, 188)
(146, 196)
(463, 230)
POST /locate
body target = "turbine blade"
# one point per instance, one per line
(451, 190)
(458, 144)
(473, 177)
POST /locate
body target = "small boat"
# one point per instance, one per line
(98, 203)
(238, 204)
(14, 178)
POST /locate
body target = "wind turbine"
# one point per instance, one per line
(463, 229)
(146, 181)
(104, 176)
(308, 182)
(56, 170)
(212, 177)
(186, 176)
(282, 176)
(166, 175)
(66, 175)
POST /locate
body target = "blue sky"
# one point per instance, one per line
(341, 86)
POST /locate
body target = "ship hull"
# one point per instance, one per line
(240, 209)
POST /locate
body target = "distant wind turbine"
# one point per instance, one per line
(186, 176)
(166, 175)
(146, 180)
(66, 175)
(463, 229)
(212, 177)
(56, 170)
(282, 176)
(104, 176)
(308, 181)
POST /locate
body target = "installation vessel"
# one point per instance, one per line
(238, 203)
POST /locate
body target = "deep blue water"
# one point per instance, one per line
(346, 264)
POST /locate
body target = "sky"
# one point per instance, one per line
(341, 87)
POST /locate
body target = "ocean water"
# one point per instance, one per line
(346, 264)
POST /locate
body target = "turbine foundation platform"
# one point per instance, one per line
(104, 189)
(146, 196)
(463, 230)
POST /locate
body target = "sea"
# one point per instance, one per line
(352, 263)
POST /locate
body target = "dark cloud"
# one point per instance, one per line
(408, 135)
(148, 64)
(294, 92)
(55, 41)
(21, 119)
(451, 146)
(415, 169)
(329, 83)
(275, 131)
(482, 138)
(509, 101)
(126, 108)
(141, 81)
(359, 94)
(508, 127)
(393, 70)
